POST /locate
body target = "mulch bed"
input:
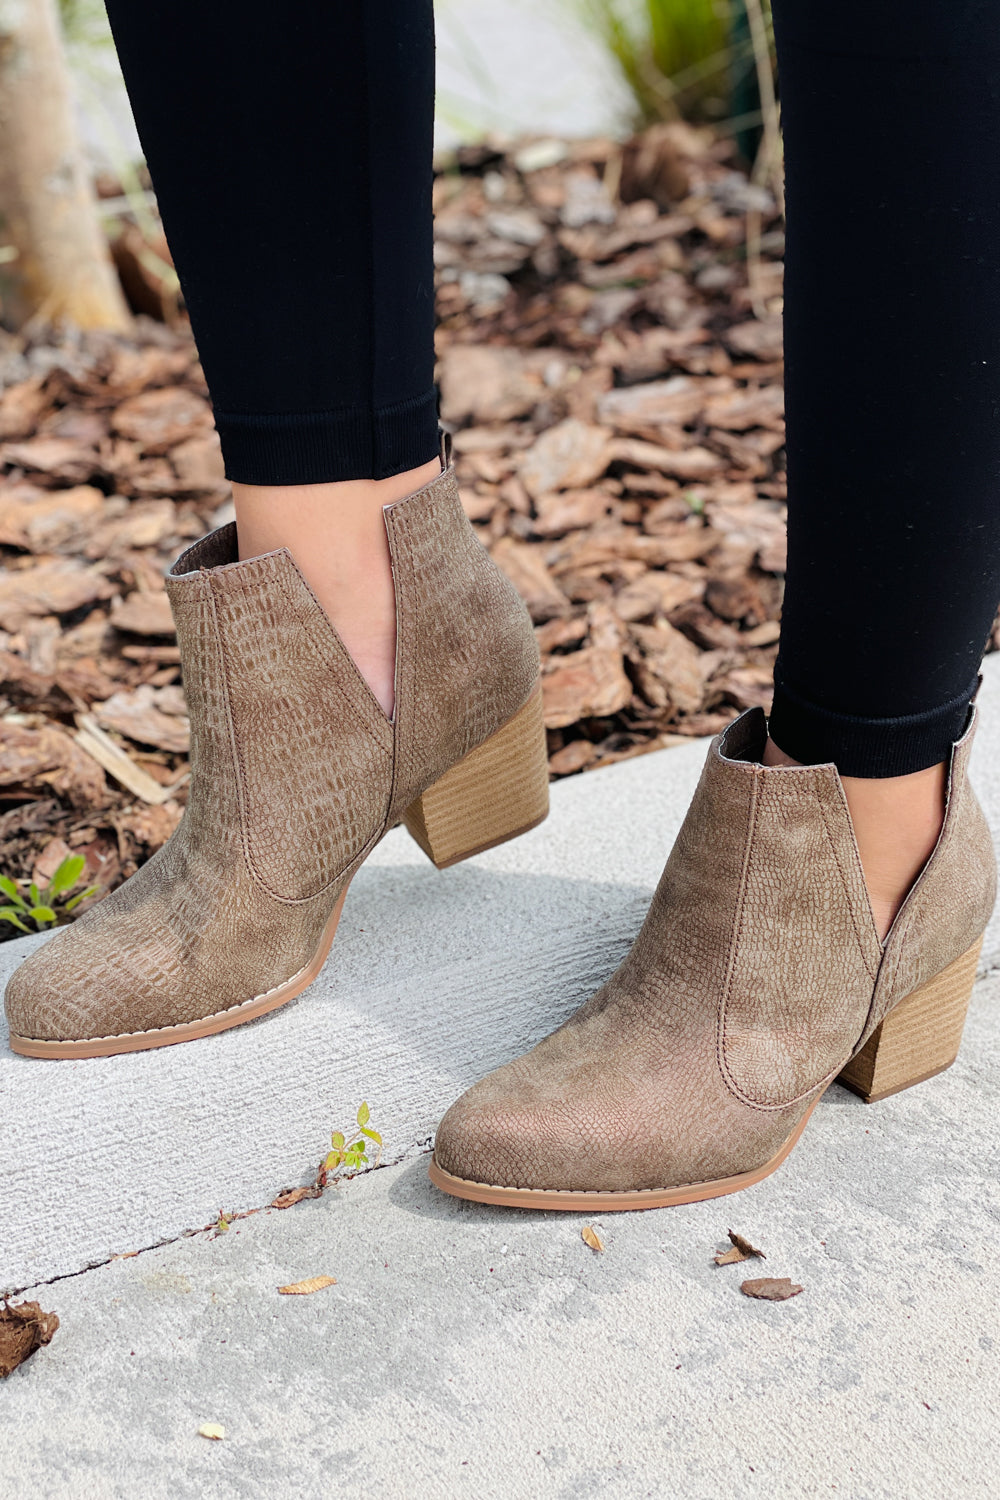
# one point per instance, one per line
(612, 378)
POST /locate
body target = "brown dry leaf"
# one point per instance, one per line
(749, 687)
(736, 596)
(144, 613)
(49, 759)
(588, 683)
(738, 411)
(524, 564)
(569, 510)
(655, 165)
(572, 757)
(681, 463)
(152, 716)
(306, 1288)
(671, 669)
(23, 1329)
(145, 524)
(213, 1430)
(158, 419)
(771, 1288)
(741, 1250)
(20, 408)
(59, 458)
(591, 1237)
(657, 593)
(560, 632)
(288, 1197)
(151, 825)
(49, 588)
(761, 340)
(199, 464)
(569, 456)
(43, 520)
(490, 383)
(656, 403)
(49, 860)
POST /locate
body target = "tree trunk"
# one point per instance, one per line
(54, 260)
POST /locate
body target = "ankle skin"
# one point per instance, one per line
(897, 821)
(336, 534)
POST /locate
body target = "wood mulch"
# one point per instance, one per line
(613, 383)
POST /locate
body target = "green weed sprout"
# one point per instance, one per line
(45, 908)
(355, 1155)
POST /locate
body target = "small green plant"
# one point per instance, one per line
(688, 59)
(353, 1155)
(44, 909)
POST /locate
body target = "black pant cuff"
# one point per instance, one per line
(324, 447)
(866, 747)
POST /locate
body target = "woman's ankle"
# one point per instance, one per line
(336, 534)
(897, 821)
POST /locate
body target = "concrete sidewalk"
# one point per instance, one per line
(489, 1354)
(434, 978)
(467, 1351)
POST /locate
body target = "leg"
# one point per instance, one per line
(892, 307)
(764, 969)
(292, 161)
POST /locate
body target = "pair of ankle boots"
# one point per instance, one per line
(757, 979)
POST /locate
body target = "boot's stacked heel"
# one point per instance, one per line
(499, 790)
(919, 1037)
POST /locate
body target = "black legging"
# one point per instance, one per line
(292, 160)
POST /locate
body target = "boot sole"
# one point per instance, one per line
(610, 1202)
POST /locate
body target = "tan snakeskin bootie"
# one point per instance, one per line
(757, 979)
(296, 775)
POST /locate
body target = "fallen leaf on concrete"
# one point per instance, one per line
(288, 1197)
(741, 1250)
(305, 1288)
(591, 1237)
(212, 1430)
(23, 1329)
(770, 1288)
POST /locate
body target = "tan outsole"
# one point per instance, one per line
(609, 1202)
(167, 1036)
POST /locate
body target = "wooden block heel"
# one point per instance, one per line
(919, 1037)
(500, 789)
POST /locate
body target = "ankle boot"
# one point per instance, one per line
(757, 979)
(296, 775)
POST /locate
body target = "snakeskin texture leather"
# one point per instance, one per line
(757, 974)
(296, 773)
